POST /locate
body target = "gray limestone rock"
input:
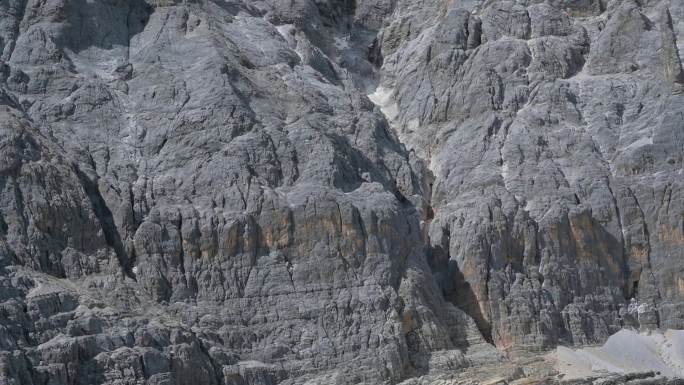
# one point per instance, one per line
(201, 192)
(539, 141)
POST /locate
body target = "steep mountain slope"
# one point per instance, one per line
(554, 134)
(201, 192)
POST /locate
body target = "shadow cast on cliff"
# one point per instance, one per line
(457, 290)
(105, 26)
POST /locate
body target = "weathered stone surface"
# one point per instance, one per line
(200, 192)
(551, 186)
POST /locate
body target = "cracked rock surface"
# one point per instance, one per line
(257, 192)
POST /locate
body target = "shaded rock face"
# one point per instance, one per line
(200, 192)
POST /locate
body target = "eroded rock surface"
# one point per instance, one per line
(201, 192)
(554, 135)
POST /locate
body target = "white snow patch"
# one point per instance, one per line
(626, 351)
(382, 97)
(641, 142)
(505, 173)
(504, 170)
(286, 31)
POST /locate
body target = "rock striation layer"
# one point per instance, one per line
(244, 192)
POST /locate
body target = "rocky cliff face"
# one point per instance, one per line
(201, 192)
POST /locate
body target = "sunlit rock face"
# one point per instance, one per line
(554, 134)
(333, 192)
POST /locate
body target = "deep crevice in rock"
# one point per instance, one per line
(104, 215)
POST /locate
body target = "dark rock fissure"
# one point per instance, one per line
(106, 220)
